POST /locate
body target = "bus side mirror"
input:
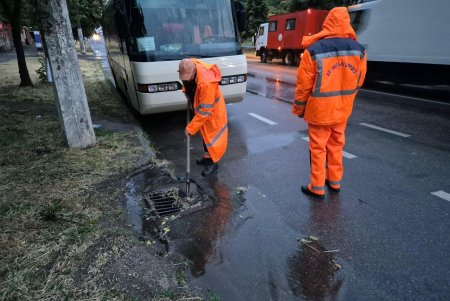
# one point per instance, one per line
(240, 15)
(121, 24)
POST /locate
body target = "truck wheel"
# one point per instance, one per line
(297, 59)
(289, 59)
(263, 56)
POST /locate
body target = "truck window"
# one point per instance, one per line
(261, 31)
(273, 26)
(290, 24)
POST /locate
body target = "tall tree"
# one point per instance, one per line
(277, 6)
(86, 14)
(13, 13)
(257, 12)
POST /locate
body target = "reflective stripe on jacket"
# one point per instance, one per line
(332, 70)
(210, 110)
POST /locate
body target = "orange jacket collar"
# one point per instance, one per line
(336, 25)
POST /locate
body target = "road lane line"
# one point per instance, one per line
(344, 153)
(348, 155)
(385, 130)
(442, 194)
(262, 118)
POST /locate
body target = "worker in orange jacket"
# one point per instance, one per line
(201, 85)
(332, 70)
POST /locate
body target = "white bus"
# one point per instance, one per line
(146, 39)
(405, 38)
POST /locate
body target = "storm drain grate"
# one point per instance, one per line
(164, 202)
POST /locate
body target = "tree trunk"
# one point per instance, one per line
(13, 14)
(69, 90)
(25, 79)
(81, 37)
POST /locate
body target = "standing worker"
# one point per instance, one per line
(332, 69)
(201, 85)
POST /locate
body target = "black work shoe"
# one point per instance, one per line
(331, 188)
(204, 161)
(210, 169)
(306, 191)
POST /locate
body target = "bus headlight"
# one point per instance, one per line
(234, 79)
(163, 87)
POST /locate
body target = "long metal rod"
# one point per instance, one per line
(188, 151)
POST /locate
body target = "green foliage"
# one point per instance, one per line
(286, 6)
(42, 71)
(257, 12)
(88, 12)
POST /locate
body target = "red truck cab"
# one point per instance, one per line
(286, 31)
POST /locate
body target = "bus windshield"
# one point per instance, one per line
(175, 29)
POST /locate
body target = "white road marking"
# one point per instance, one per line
(262, 118)
(348, 155)
(344, 153)
(442, 194)
(385, 130)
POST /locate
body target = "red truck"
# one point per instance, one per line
(284, 35)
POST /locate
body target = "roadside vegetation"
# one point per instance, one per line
(62, 224)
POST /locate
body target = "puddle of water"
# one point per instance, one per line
(312, 273)
(271, 88)
(242, 249)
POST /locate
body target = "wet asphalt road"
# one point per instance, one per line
(386, 230)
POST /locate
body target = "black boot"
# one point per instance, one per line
(204, 161)
(210, 169)
(306, 191)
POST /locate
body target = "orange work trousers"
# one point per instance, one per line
(326, 143)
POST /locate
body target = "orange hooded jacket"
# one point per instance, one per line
(332, 69)
(210, 110)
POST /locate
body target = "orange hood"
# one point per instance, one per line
(336, 25)
(207, 73)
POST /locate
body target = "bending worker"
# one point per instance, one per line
(201, 85)
(332, 69)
